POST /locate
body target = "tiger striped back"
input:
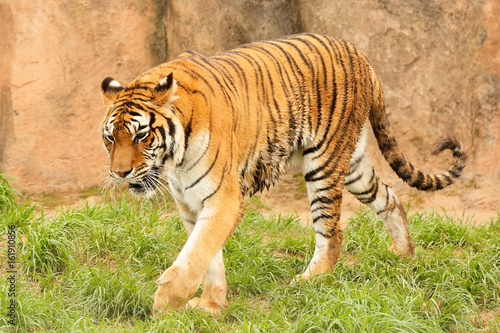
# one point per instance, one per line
(282, 96)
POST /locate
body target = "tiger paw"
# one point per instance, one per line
(306, 276)
(300, 277)
(205, 304)
(175, 287)
(404, 252)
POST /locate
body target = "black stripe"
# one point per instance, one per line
(292, 63)
(237, 68)
(187, 133)
(324, 235)
(205, 173)
(171, 127)
(369, 182)
(152, 119)
(386, 196)
(324, 216)
(373, 196)
(312, 47)
(353, 165)
(162, 133)
(201, 156)
(328, 187)
(163, 144)
(352, 181)
(284, 78)
(137, 95)
(365, 192)
(335, 158)
(448, 179)
(439, 184)
(141, 106)
(258, 76)
(326, 200)
(397, 164)
(241, 75)
(372, 176)
(454, 173)
(218, 187)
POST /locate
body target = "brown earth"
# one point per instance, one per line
(439, 62)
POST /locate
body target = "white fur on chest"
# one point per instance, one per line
(186, 181)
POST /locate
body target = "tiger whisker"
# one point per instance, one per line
(163, 186)
(177, 170)
(162, 176)
(158, 182)
(152, 185)
(107, 186)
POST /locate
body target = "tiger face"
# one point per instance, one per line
(142, 135)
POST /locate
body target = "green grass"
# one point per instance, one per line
(93, 269)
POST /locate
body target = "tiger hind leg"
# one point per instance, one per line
(325, 196)
(364, 183)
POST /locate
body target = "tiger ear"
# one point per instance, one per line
(165, 90)
(109, 90)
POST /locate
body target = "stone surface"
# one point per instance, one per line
(57, 54)
(439, 62)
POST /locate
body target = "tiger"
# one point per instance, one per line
(219, 128)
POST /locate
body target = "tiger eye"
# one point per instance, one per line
(141, 136)
(109, 138)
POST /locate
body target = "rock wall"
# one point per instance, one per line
(439, 62)
(55, 56)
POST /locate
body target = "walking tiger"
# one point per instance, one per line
(219, 128)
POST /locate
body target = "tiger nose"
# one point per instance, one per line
(122, 173)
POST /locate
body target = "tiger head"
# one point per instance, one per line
(141, 133)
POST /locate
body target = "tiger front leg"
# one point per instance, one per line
(173, 291)
(199, 257)
(214, 297)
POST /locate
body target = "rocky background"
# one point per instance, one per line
(439, 62)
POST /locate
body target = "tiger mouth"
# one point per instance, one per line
(147, 184)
